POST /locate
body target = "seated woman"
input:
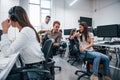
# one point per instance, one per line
(26, 43)
(86, 40)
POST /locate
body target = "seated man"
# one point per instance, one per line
(55, 34)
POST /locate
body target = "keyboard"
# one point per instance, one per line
(112, 43)
(106, 42)
(116, 42)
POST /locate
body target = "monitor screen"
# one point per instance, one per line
(67, 31)
(95, 31)
(87, 20)
(107, 31)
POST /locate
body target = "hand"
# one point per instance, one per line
(56, 44)
(77, 34)
(82, 49)
(5, 25)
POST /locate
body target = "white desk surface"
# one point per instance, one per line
(4, 73)
(101, 43)
(117, 51)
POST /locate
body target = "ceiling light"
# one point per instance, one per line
(73, 2)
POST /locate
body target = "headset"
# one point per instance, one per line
(12, 14)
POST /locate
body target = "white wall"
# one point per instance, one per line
(106, 12)
(25, 5)
(5, 5)
(58, 11)
(69, 15)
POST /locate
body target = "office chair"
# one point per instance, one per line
(73, 51)
(47, 50)
(62, 48)
(48, 65)
(88, 62)
(44, 71)
(55, 52)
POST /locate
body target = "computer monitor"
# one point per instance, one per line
(107, 31)
(95, 31)
(67, 31)
(87, 20)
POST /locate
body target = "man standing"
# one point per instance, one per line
(45, 26)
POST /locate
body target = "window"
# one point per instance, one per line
(38, 10)
(45, 4)
(44, 13)
(34, 14)
(35, 1)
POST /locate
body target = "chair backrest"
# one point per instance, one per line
(73, 46)
(47, 48)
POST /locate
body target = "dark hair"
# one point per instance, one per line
(85, 32)
(21, 17)
(56, 22)
(48, 16)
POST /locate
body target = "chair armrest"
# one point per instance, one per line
(35, 70)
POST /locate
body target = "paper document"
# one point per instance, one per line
(4, 62)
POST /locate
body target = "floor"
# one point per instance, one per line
(68, 70)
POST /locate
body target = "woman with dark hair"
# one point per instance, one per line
(86, 40)
(26, 43)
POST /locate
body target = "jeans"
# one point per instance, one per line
(97, 56)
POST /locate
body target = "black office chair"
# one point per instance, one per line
(44, 71)
(48, 65)
(62, 48)
(47, 50)
(73, 51)
(88, 62)
(55, 52)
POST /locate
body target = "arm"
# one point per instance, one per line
(42, 31)
(16, 46)
(72, 37)
(6, 47)
(88, 46)
(91, 42)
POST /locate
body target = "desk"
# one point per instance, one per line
(4, 73)
(117, 51)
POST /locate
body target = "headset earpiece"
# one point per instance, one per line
(12, 15)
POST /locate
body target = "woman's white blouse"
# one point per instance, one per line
(84, 43)
(25, 43)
